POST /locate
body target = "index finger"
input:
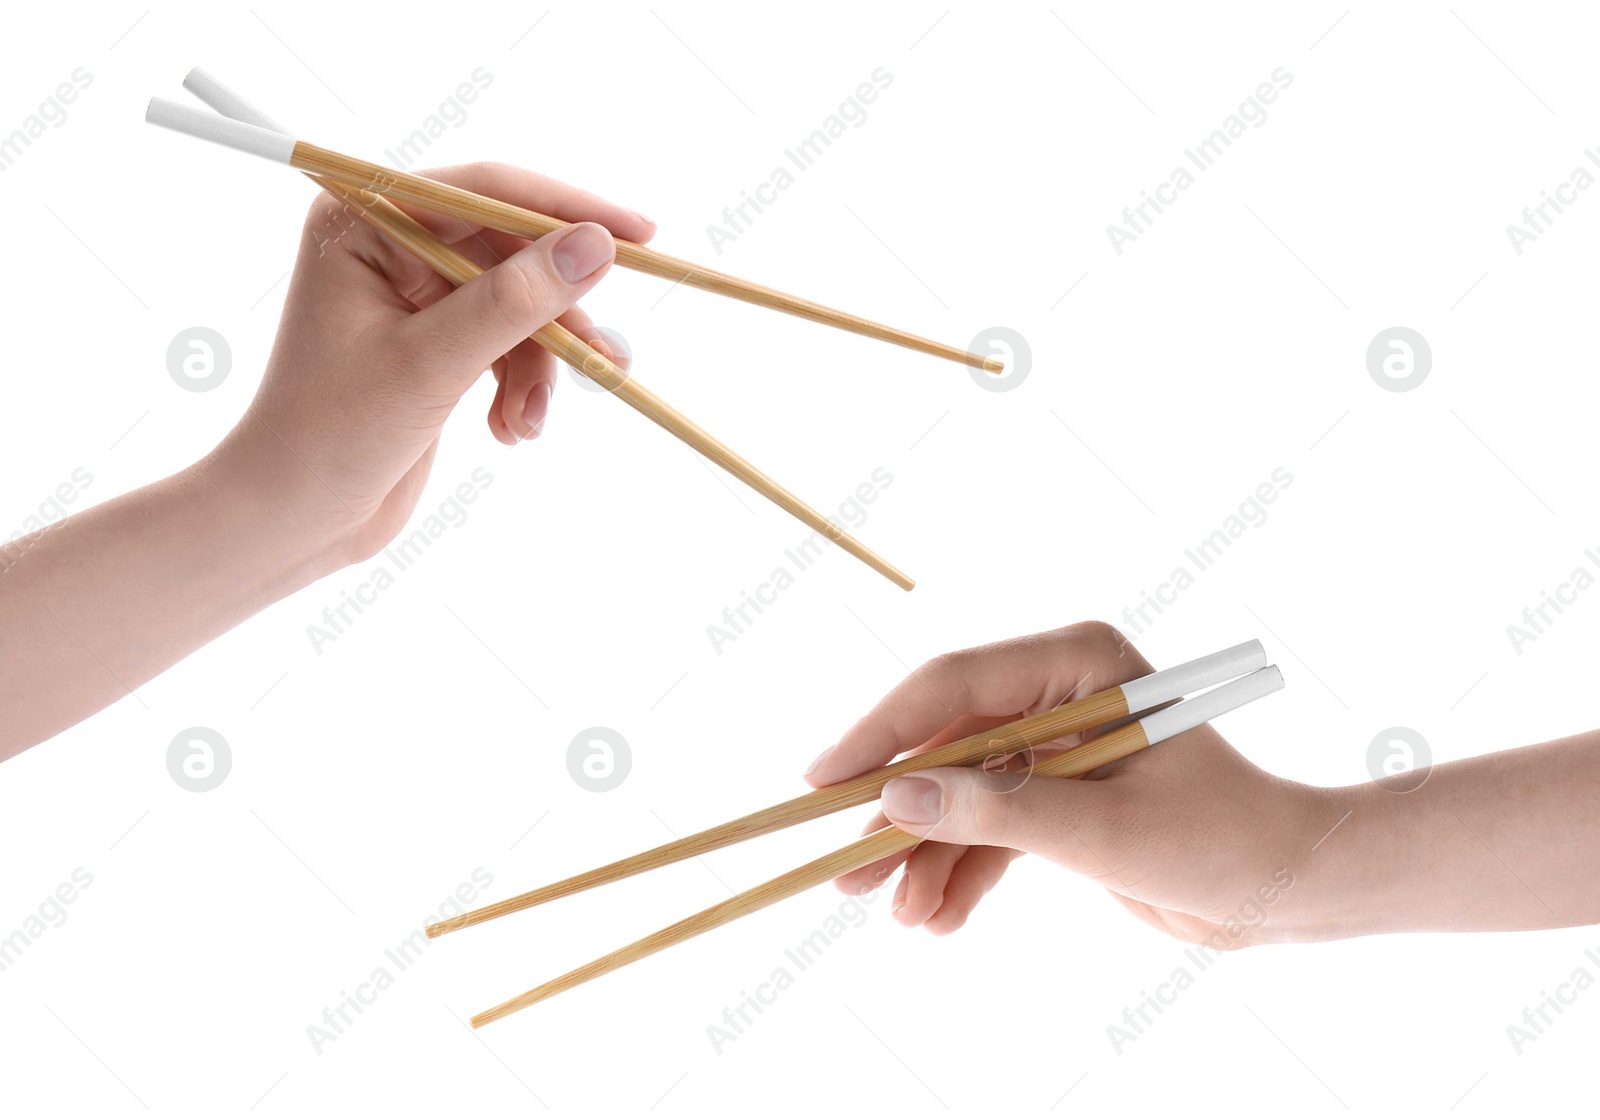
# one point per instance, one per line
(1020, 676)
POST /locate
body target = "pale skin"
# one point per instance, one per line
(1187, 833)
(373, 353)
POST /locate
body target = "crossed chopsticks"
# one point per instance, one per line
(1233, 676)
(367, 188)
(1224, 680)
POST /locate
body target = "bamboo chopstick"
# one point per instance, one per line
(885, 842)
(443, 198)
(458, 269)
(1135, 696)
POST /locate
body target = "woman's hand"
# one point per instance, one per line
(1200, 843)
(375, 349)
(373, 352)
(1188, 835)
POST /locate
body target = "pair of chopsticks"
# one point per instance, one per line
(368, 187)
(1233, 676)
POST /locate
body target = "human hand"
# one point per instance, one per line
(1189, 835)
(373, 352)
(375, 349)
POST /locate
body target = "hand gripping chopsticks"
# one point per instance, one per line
(253, 131)
(274, 144)
(1097, 752)
(989, 746)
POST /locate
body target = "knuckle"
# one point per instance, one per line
(951, 667)
(322, 209)
(1098, 634)
(327, 220)
(1100, 654)
(986, 808)
(939, 666)
(519, 291)
(946, 677)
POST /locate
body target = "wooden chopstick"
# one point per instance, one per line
(445, 199)
(886, 842)
(458, 269)
(1001, 742)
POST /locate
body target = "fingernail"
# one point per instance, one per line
(900, 894)
(582, 250)
(605, 346)
(533, 413)
(645, 218)
(816, 762)
(913, 800)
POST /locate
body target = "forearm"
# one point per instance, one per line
(95, 606)
(1504, 841)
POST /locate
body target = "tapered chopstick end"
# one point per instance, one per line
(993, 365)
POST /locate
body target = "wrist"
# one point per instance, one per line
(1344, 863)
(279, 537)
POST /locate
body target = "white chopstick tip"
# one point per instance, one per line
(198, 79)
(1166, 685)
(1209, 705)
(1271, 679)
(224, 100)
(220, 130)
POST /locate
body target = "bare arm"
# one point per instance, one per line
(1199, 842)
(96, 605)
(373, 353)
(1500, 842)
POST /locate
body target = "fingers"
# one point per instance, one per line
(526, 379)
(497, 423)
(334, 223)
(1070, 822)
(941, 884)
(461, 335)
(531, 191)
(1023, 675)
(975, 876)
(922, 887)
(578, 322)
(530, 380)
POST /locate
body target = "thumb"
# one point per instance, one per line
(1059, 818)
(464, 333)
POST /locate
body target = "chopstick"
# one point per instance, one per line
(443, 198)
(1097, 752)
(458, 269)
(1135, 696)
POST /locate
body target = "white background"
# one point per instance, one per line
(371, 779)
